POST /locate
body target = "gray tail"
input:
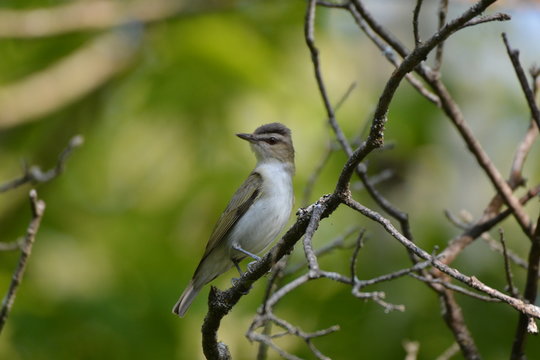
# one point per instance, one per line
(185, 300)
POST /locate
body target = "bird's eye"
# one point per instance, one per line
(271, 140)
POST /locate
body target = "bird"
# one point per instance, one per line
(257, 212)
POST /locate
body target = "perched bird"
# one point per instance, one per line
(256, 214)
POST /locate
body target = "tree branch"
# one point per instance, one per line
(530, 293)
(34, 174)
(38, 208)
(471, 281)
(527, 91)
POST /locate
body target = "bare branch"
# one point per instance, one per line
(34, 174)
(447, 103)
(354, 258)
(529, 95)
(376, 138)
(473, 282)
(488, 18)
(308, 246)
(456, 288)
(454, 319)
(524, 147)
(443, 11)
(388, 52)
(38, 208)
(12, 246)
(496, 246)
(502, 187)
(267, 340)
(487, 222)
(338, 242)
(416, 14)
(512, 290)
(220, 302)
(530, 294)
(329, 150)
(449, 353)
(309, 35)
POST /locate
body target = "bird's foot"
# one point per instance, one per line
(251, 265)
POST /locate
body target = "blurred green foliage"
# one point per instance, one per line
(126, 222)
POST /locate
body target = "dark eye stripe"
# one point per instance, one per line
(271, 140)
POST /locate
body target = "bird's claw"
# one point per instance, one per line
(251, 265)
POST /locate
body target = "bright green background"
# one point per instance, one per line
(127, 221)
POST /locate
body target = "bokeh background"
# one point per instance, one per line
(127, 221)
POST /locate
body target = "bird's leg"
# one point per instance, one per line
(235, 280)
(237, 266)
(253, 256)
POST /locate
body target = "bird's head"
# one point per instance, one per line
(271, 142)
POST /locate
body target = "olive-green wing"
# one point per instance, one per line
(239, 204)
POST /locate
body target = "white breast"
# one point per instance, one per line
(265, 219)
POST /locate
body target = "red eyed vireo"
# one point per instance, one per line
(256, 214)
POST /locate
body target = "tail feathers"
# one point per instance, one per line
(185, 300)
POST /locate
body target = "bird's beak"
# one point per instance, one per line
(249, 137)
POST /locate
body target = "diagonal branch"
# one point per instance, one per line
(221, 302)
(473, 282)
(530, 294)
(529, 95)
(38, 208)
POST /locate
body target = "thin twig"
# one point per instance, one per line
(329, 150)
(447, 103)
(38, 208)
(34, 174)
(12, 246)
(267, 340)
(456, 288)
(529, 294)
(309, 36)
(390, 55)
(524, 147)
(443, 11)
(471, 281)
(496, 246)
(416, 14)
(512, 290)
(354, 258)
(337, 242)
(449, 353)
(488, 18)
(308, 245)
(528, 92)
(310, 183)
